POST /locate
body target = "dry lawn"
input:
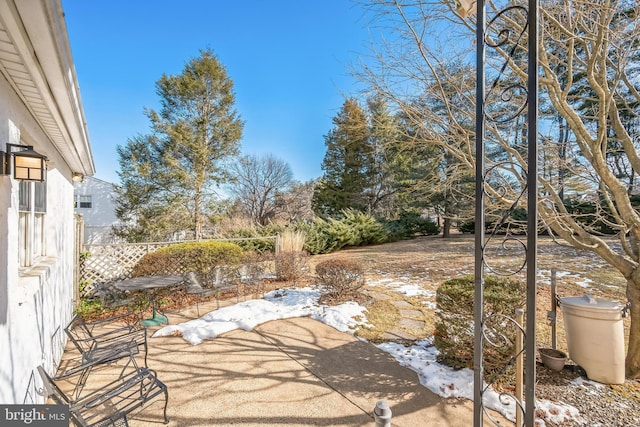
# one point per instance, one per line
(429, 261)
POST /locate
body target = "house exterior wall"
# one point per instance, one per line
(35, 302)
(101, 216)
(39, 106)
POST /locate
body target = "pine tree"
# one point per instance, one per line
(346, 164)
(383, 138)
(175, 169)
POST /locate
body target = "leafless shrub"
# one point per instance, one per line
(291, 265)
(340, 277)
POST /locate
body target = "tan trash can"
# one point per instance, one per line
(595, 337)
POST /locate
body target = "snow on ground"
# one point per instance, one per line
(303, 302)
(408, 289)
(544, 276)
(276, 305)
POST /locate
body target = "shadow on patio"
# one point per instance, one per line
(294, 372)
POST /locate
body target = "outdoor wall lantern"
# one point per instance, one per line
(465, 7)
(28, 165)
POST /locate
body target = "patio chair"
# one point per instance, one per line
(111, 297)
(251, 278)
(102, 342)
(193, 286)
(94, 337)
(110, 404)
(215, 283)
(224, 282)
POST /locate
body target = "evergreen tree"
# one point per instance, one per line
(383, 138)
(174, 170)
(346, 164)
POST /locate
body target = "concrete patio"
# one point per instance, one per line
(294, 372)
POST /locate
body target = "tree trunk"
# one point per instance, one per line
(633, 351)
(446, 227)
(197, 232)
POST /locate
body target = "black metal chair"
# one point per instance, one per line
(226, 281)
(214, 283)
(110, 404)
(111, 297)
(193, 286)
(102, 336)
(102, 342)
(251, 278)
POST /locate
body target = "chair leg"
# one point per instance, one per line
(146, 352)
(81, 382)
(166, 402)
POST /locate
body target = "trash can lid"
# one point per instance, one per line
(590, 302)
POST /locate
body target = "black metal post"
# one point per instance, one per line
(532, 214)
(478, 315)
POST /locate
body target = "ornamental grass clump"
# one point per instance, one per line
(454, 334)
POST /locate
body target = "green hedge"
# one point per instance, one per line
(180, 258)
(454, 335)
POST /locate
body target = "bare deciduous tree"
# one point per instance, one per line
(295, 204)
(257, 182)
(589, 82)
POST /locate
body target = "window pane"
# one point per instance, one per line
(85, 202)
(23, 239)
(40, 196)
(24, 191)
(38, 235)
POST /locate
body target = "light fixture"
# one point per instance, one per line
(465, 7)
(77, 177)
(28, 165)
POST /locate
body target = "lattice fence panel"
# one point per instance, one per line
(110, 262)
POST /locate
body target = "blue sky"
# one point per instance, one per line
(289, 60)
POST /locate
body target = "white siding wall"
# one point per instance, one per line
(101, 217)
(34, 304)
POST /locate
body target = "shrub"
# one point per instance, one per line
(158, 263)
(365, 229)
(323, 236)
(454, 335)
(467, 227)
(256, 244)
(352, 228)
(291, 265)
(341, 277)
(290, 258)
(180, 258)
(425, 226)
(410, 223)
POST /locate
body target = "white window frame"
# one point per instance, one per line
(31, 222)
(86, 200)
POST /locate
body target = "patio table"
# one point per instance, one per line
(152, 284)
